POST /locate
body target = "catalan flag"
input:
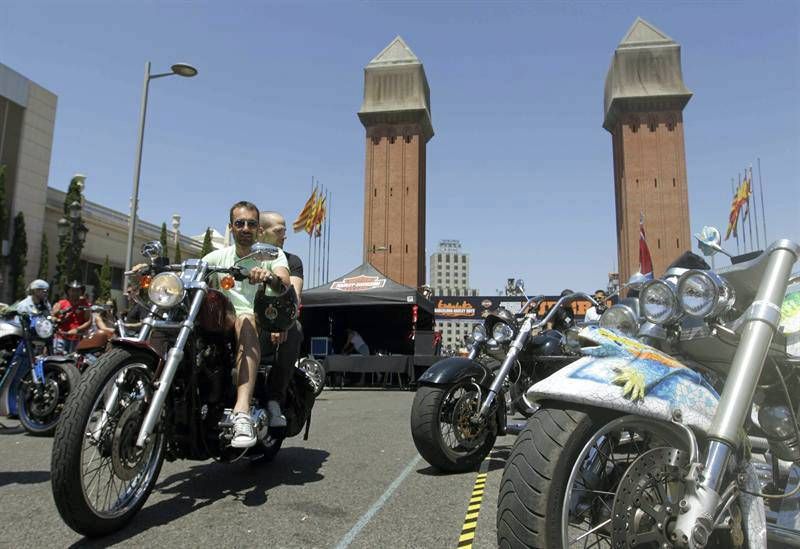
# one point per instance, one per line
(740, 198)
(320, 217)
(305, 214)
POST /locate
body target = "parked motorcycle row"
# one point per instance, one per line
(672, 423)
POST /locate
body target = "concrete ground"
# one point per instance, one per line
(357, 482)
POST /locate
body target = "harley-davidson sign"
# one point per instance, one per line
(360, 283)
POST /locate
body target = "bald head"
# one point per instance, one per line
(273, 228)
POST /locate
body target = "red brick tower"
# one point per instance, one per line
(644, 100)
(396, 114)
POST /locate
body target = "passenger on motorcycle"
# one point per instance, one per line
(74, 319)
(244, 226)
(286, 345)
(36, 303)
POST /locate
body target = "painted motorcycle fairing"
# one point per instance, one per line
(622, 374)
(19, 366)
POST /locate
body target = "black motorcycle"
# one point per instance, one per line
(139, 404)
(462, 403)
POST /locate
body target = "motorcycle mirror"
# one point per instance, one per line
(261, 252)
(709, 241)
(152, 250)
(636, 281)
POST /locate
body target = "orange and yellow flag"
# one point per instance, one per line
(320, 218)
(306, 213)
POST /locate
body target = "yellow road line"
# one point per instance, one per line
(467, 535)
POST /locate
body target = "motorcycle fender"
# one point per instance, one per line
(454, 369)
(661, 391)
(10, 329)
(136, 345)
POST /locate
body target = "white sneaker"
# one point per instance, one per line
(244, 433)
(276, 417)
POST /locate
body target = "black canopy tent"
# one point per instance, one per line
(375, 306)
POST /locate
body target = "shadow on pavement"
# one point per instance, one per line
(11, 429)
(497, 460)
(203, 485)
(23, 477)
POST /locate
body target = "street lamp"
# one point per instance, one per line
(75, 230)
(179, 69)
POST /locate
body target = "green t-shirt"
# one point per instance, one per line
(243, 294)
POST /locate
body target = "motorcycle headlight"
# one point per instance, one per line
(44, 328)
(502, 332)
(620, 318)
(166, 290)
(479, 333)
(659, 302)
(703, 293)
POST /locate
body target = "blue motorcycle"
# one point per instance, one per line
(33, 385)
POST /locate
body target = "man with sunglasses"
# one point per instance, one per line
(244, 226)
(593, 314)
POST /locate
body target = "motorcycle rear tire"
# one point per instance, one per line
(66, 464)
(427, 434)
(28, 422)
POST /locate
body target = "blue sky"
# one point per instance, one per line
(519, 170)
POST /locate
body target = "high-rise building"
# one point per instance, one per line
(449, 278)
(643, 110)
(449, 274)
(397, 117)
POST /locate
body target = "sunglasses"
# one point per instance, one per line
(240, 223)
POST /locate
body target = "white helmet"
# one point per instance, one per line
(39, 284)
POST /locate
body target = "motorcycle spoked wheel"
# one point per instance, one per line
(100, 479)
(40, 406)
(560, 481)
(443, 432)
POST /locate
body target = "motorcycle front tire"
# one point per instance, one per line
(29, 422)
(427, 434)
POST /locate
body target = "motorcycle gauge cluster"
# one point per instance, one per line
(659, 302)
(166, 290)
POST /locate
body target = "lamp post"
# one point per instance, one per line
(76, 231)
(180, 69)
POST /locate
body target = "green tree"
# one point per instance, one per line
(44, 261)
(104, 282)
(208, 247)
(178, 258)
(69, 252)
(163, 239)
(19, 256)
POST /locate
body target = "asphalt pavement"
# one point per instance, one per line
(357, 482)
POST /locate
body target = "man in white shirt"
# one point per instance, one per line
(244, 226)
(593, 314)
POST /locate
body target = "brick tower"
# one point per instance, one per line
(643, 110)
(396, 114)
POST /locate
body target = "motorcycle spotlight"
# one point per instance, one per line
(703, 293)
(502, 332)
(166, 290)
(620, 318)
(659, 302)
(479, 333)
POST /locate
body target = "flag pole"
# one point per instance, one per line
(744, 229)
(749, 217)
(763, 215)
(308, 257)
(330, 210)
(735, 230)
(755, 209)
(316, 241)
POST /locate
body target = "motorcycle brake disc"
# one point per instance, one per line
(467, 433)
(646, 503)
(126, 457)
(44, 401)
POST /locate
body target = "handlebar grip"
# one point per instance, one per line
(240, 273)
